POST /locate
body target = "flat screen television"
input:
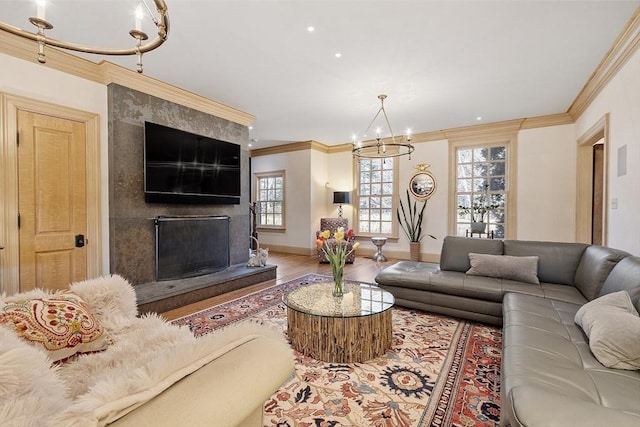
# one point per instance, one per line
(182, 167)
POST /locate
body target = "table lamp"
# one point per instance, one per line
(340, 198)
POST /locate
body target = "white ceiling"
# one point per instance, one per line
(441, 63)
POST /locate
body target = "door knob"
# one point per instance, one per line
(80, 240)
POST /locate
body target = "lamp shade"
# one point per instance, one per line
(341, 197)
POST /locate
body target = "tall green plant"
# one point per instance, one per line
(412, 224)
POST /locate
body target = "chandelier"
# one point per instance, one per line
(379, 147)
(161, 22)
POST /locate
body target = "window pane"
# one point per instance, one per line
(464, 156)
(376, 195)
(480, 154)
(464, 185)
(481, 185)
(497, 168)
(270, 200)
(498, 153)
(464, 171)
(480, 169)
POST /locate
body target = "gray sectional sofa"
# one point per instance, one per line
(551, 376)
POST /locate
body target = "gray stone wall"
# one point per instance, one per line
(131, 228)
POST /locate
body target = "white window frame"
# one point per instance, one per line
(469, 140)
(359, 200)
(259, 202)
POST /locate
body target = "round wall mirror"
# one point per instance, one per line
(422, 184)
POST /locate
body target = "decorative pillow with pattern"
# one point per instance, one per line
(59, 323)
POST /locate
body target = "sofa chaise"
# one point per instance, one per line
(571, 329)
(101, 364)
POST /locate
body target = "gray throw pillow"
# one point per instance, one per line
(520, 268)
(612, 325)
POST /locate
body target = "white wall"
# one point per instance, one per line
(35, 81)
(621, 99)
(546, 184)
(297, 167)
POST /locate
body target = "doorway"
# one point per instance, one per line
(592, 184)
(50, 182)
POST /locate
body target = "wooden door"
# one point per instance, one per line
(597, 195)
(52, 200)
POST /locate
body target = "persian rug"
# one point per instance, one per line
(439, 371)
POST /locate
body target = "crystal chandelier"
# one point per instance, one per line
(380, 147)
(161, 22)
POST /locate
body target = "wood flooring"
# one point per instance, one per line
(289, 267)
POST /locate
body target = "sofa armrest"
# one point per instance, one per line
(595, 265)
(227, 391)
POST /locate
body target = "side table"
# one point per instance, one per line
(379, 242)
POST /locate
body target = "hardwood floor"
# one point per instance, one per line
(289, 267)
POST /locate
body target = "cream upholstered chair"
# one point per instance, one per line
(332, 224)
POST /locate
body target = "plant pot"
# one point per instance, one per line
(414, 251)
(478, 227)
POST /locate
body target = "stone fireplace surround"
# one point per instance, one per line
(131, 219)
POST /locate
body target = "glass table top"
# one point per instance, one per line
(358, 300)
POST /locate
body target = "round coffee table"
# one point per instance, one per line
(354, 328)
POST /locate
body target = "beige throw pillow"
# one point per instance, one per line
(612, 325)
(520, 268)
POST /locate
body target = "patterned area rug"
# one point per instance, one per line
(439, 371)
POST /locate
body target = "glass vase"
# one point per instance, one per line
(338, 285)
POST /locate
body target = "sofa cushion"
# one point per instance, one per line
(455, 251)
(595, 265)
(625, 276)
(558, 261)
(613, 327)
(522, 269)
(546, 359)
(59, 323)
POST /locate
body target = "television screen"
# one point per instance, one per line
(181, 167)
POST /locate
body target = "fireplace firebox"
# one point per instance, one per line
(189, 246)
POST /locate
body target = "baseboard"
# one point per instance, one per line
(360, 252)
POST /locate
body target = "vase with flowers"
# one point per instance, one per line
(337, 250)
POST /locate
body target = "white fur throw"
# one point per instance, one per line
(148, 356)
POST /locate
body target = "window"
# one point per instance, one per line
(377, 187)
(270, 199)
(481, 189)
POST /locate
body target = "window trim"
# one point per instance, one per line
(508, 139)
(394, 203)
(279, 173)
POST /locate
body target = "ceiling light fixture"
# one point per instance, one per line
(381, 147)
(161, 22)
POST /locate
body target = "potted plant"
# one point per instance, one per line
(412, 225)
(478, 211)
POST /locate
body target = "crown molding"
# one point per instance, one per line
(507, 128)
(623, 48)
(288, 148)
(106, 73)
(496, 129)
(546, 121)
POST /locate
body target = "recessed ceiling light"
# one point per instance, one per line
(478, 118)
(250, 127)
(311, 29)
(338, 55)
